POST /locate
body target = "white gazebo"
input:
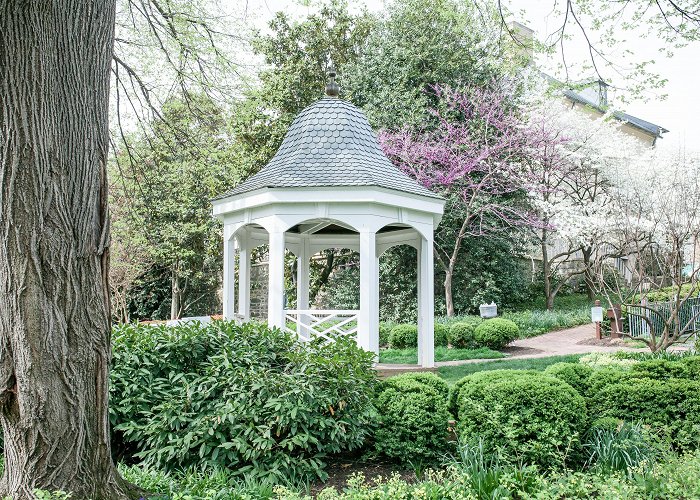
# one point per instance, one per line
(329, 186)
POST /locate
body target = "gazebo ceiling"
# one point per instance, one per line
(330, 144)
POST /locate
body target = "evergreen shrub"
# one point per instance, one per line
(527, 418)
(404, 336)
(247, 398)
(575, 374)
(413, 419)
(496, 333)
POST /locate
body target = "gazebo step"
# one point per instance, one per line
(385, 370)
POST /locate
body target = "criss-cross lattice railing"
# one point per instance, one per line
(310, 324)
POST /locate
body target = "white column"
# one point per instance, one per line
(275, 299)
(229, 277)
(368, 321)
(244, 275)
(426, 304)
(303, 271)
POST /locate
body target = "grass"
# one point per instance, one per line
(410, 356)
(453, 373)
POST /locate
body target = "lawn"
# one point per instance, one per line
(453, 373)
(410, 355)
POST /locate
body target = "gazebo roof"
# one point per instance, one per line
(330, 144)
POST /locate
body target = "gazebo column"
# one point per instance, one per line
(426, 304)
(244, 267)
(303, 272)
(275, 298)
(368, 321)
(229, 277)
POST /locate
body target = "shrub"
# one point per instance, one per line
(605, 377)
(529, 418)
(671, 406)
(385, 333)
(413, 420)
(440, 335)
(246, 398)
(461, 334)
(692, 364)
(426, 378)
(403, 336)
(475, 378)
(602, 360)
(575, 374)
(496, 333)
(660, 369)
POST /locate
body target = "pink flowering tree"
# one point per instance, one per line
(476, 157)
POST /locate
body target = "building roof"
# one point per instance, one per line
(651, 128)
(330, 144)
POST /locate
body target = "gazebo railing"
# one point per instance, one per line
(310, 324)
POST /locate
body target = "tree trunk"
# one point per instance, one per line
(546, 276)
(55, 61)
(175, 295)
(449, 302)
(588, 275)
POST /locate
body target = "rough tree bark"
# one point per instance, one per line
(55, 60)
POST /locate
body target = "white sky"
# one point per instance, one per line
(679, 112)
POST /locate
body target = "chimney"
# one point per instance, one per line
(523, 40)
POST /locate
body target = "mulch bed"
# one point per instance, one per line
(340, 469)
(513, 350)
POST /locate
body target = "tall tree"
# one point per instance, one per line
(474, 158)
(187, 158)
(54, 248)
(570, 190)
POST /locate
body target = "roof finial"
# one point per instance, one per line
(332, 88)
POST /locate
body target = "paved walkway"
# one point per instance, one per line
(559, 343)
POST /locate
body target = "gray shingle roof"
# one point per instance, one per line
(330, 143)
(651, 128)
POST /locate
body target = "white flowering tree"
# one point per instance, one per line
(656, 235)
(569, 189)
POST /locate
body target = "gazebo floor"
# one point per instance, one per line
(386, 370)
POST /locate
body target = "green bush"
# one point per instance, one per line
(527, 418)
(461, 334)
(692, 364)
(496, 333)
(426, 378)
(575, 374)
(476, 378)
(403, 336)
(440, 335)
(246, 398)
(385, 333)
(413, 420)
(660, 369)
(670, 406)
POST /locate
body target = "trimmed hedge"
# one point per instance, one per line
(575, 374)
(413, 418)
(403, 336)
(671, 406)
(524, 417)
(426, 378)
(246, 398)
(476, 378)
(461, 335)
(496, 333)
(440, 335)
(660, 369)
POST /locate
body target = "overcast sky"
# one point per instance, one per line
(679, 112)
